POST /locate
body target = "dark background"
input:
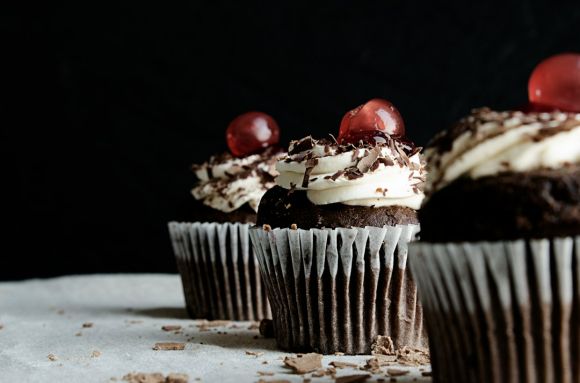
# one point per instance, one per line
(109, 105)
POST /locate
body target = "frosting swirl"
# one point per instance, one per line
(487, 143)
(385, 174)
(226, 183)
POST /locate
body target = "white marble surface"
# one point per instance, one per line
(42, 317)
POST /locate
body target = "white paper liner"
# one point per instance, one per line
(220, 275)
(501, 311)
(336, 290)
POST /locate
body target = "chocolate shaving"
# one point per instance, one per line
(302, 364)
(307, 143)
(310, 164)
(352, 378)
(335, 176)
(367, 161)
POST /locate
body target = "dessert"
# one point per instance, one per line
(498, 262)
(219, 272)
(332, 237)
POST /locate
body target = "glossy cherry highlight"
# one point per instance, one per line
(251, 132)
(364, 121)
(555, 83)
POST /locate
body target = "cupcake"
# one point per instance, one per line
(219, 272)
(498, 265)
(332, 236)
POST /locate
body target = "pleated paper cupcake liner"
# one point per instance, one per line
(501, 311)
(337, 290)
(219, 272)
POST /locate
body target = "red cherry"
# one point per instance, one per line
(250, 132)
(555, 83)
(376, 115)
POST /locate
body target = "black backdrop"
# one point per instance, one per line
(111, 104)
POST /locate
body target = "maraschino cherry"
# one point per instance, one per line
(371, 122)
(555, 83)
(251, 132)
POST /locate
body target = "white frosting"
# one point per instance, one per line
(506, 141)
(233, 182)
(389, 184)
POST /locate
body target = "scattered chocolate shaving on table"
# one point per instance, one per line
(171, 328)
(254, 353)
(265, 373)
(352, 378)
(302, 364)
(169, 346)
(88, 325)
(52, 357)
(155, 377)
(426, 373)
(207, 325)
(79, 334)
(267, 328)
(396, 372)
(339, 364)
(95, 354)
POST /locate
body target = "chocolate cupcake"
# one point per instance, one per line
(332, 237)
(219, 272)
(498, 265)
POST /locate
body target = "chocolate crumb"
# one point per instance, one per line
(352, 378)
(339, 364)
(396, 372)
(87, 325)
(52, 357)
(254, 353)
(426, 373)
(169, 346)
(79, 334)
(171, 328)
(95, 354)
(265, 373)
(304, 363)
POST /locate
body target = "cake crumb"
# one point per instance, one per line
(302, 364)
(52, 357)
(171, 328)
(169, 346)
(294, 227)
(87, 325)
(79, 334)
(267, 227)
(95, 354)
(265, 373)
